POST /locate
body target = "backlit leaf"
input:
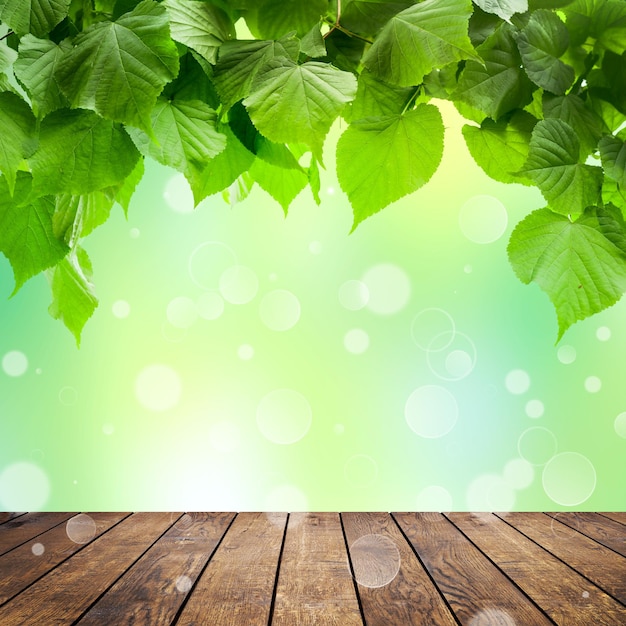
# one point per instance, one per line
(503, 8)
(581, 265)
(613, 154)
(553, 165)
(380, 160)
(428, 34)
(119, 68)
(37, 17)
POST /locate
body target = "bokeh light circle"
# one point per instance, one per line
(483, 219)
(238, 284)
(620, 425)
(569, 478)
(566, 354)
(120, 309)
(492, 617)
(433, 329)
(356, 341)
(431, 411)
(37, 549)
(14, 363)
(178, 195)
(456, 361)
(208, 261)
(245, 352)
(534, 409)
(593, 384)
(158, 387)
(389, 288)
(183, 584)
(210, 305)
(375, 560)
(279, 310)
(519, 473)
(284, 416)
(603, 333)
(81, 528)
(24, 486)
(182, 312)
(517, 382)
(353, 295)
(537, 445)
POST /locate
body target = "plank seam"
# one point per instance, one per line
(43, 532)
(584, 534)
(270, 616)
(513, 582)
(609, 518)
(15, 514)
(67, 558)
(419, 558)
(126, 570)
(356, 587)
(186, 599)
(562, 561)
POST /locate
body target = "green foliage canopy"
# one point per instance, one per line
(89, 88)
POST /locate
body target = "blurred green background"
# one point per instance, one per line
(241, 360)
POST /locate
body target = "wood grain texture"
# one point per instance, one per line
(602, 529)
(475, 588)
(19, 530)
(602, 566)
(393, 586)
(616, 517)
(66, 592)
(237, 585)
(6, 516)
(153, 589)
(562, 593)
(315, 587)
(23, 565)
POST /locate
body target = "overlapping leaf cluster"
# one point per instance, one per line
(89, 88)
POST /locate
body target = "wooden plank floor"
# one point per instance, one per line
(301, 569)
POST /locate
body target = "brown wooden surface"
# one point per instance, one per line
(406, 596)
(301, 569)
(472, 583)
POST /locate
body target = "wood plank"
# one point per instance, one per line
(602, 566)
(475, 588)
(393, 586)
(66, 592)
(21, 529)
(237, 585)
(566, 596)
(315, 586)
(23, 565)
(6, 516)
(152, 591)
(606, 531)
(616, 517)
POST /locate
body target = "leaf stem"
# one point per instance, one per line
(337, 26)
(7, 35)
(411, 100)
(590, 61)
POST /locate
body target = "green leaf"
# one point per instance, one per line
(380, 160)
(604, 20)
(343, 51)
(26, 235)
(239, 190)
(282, 184)
(541, 43)
(581, 265)
(36, 69)
(199, 25)
(77, 216)
(192, 83)
(186, 134)
(612, 119)
(503, 8)
(375, 98)
(573, 110)
(17, 133)
(553, 164)
(427, 35)
(612, 193)
(33, 16)
(239, 62)
(497, 85)
(298, 103)
(79, 152)
(119, 68)
(276, 18)
(613, 155)
(501, 148)
(223, 170)
(124, 192)
(7, 56)
(368, 16)
(312, 44)
(73, 296)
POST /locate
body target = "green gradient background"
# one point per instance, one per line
(74, 435)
